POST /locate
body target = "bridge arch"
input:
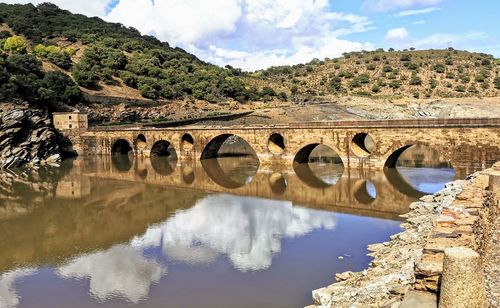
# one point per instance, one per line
(362, 145)
(122, 155)
(163, 148)
(187, 142)
(392, 160)
(328, 171)
(213, 147)
(276, 144)
(439, 154)
(121, 146)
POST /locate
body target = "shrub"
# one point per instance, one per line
(15, 44)
(395, 84)
(387, 69)
(496, 82)
(405, 57)
(439, 68)
(460, 88)
(336, 85)
(433, 83)
(415, 81)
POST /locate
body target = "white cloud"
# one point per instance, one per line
(397, 34)
(8, 295)
(419, 22)
(87, 7)
(393, 5)
(121, 270)
(417, 12)
(251, 34)
(400, 38)
(248, 231)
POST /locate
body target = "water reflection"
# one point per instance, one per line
(231, 172)
(248, 230)
(8, 295)
(120, 271)
(118, 230)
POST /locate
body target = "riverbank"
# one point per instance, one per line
(406, 270)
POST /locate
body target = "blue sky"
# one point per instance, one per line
(255, 34)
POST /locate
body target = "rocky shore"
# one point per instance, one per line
(26, 137)
(406, 270)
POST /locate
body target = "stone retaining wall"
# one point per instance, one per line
(406, 270)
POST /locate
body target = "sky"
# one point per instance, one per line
(256, 34)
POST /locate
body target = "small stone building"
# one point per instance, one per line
(70, 120)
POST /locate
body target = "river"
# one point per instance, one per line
(225, 232)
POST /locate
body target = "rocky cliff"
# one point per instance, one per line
(26, 137)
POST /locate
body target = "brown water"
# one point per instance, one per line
(114, 232)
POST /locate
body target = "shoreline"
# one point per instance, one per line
(408, 267)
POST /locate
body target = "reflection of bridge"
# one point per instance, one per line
(350, 194)
(458, 140)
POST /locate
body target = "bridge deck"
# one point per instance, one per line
(407, 123)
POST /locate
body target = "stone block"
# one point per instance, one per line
(419, 299)
(462, 283)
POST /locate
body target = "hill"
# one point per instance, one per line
(102, 56)
(410, 73)
(51, 57)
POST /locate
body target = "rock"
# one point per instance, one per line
(419, 299)
(343, 276)
(26, 137)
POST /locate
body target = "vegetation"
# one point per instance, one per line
(112, 53)
(416, 73)
(21, 76)
(47, 50)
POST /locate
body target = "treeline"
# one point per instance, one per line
(115, 52)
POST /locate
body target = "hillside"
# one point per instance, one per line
(107, 58)
(411, 73)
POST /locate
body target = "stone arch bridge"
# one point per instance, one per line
(367, 144)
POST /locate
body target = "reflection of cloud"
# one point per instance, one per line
(248, 230)
(119, 271)
(427, 180)
(8, 295)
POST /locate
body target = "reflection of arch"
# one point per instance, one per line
(163, 165)
(188, 175)
(211, 150)
(278, 183)
(365, 191)
(214, 170)
(187, 142)
(398, 182)
(163, 148)
(121, 146)
(303, 169)
(142, 173)
(276, 144)
(362, 144)
(121, 162)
